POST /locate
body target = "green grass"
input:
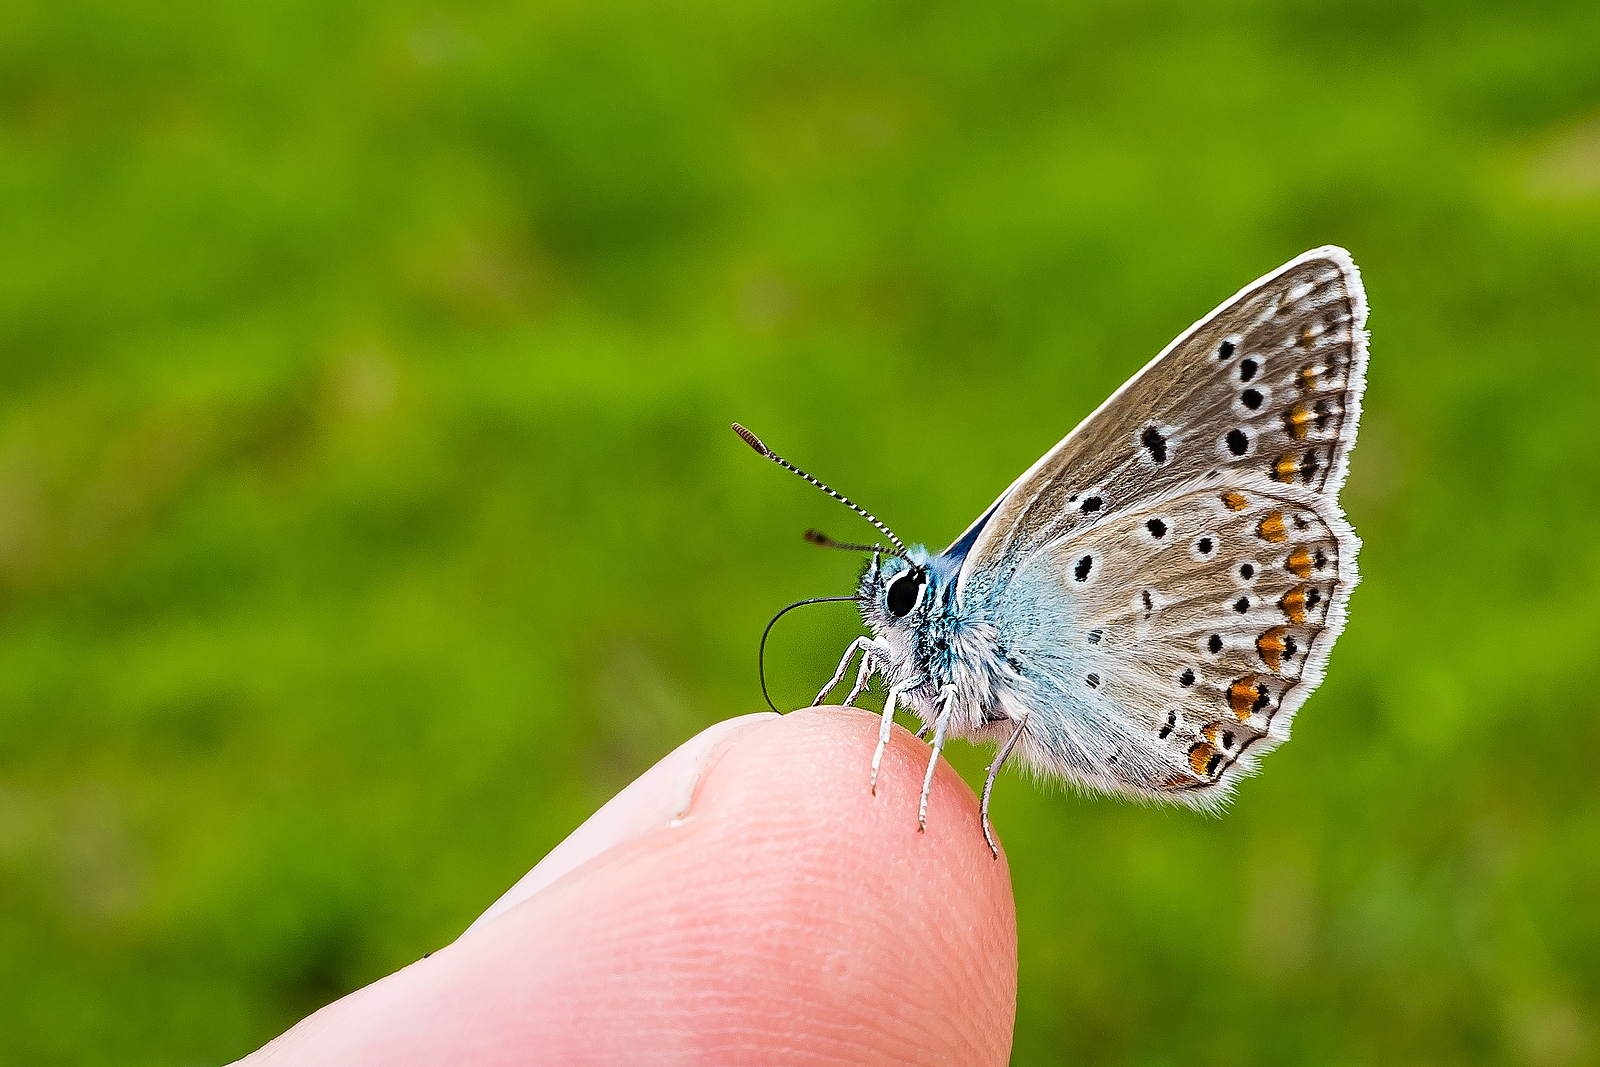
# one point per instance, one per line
(368, 512)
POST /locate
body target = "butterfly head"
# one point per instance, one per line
(897, 593)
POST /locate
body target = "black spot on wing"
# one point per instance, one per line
(1154, 443)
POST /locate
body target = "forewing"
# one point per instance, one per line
(1264, 390)
(1168, 648)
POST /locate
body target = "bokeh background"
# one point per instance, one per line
(368, 512)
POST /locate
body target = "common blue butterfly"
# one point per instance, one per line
(1144, 610)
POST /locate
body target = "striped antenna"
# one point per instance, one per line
(755, 442)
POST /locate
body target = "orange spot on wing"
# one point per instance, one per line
(1299, 562)
(1286, 468)
(1270, 646)
(1293, 604)
(1204, 759)
(1234, 501)
(1307, 378)
(1271, 528)
(1297, 420)
(1245, 696)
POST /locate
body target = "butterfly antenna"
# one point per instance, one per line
(755, 442)
(817, 537)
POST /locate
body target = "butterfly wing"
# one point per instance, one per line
(1169, 647)
(1266, 390)
(1172, 576)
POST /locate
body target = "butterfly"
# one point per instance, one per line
(1144, 610)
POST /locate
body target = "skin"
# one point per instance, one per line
(747, 900)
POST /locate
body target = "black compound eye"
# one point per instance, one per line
(903, 593)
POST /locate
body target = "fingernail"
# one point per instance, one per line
(657, 798)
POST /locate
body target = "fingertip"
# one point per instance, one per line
(786, 916)
(656, 798)
(791, 916)
(813, 768)
(929, 914)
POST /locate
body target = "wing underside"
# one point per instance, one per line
(1172, 576)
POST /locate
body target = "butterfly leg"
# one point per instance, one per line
(883, 733)
(864, 675)
(947, 699)
(988, 783)
(864, 645)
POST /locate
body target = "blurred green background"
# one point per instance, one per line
(368, 511)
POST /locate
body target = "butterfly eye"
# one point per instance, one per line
(903, 593)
